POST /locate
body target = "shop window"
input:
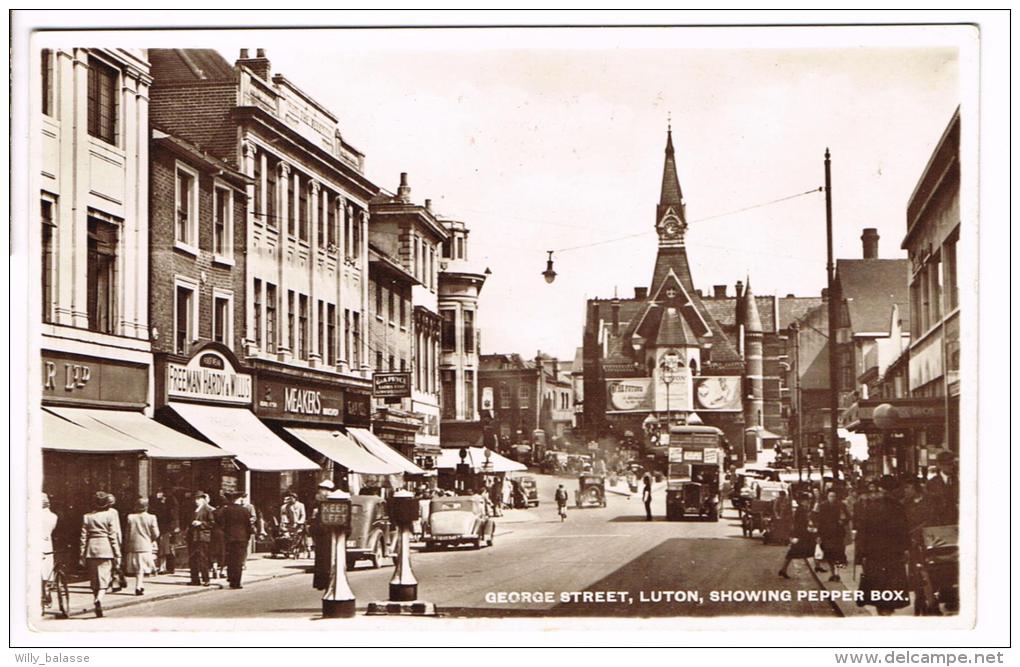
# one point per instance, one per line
(184, 320)
(469, 331)
(257, 298)
(186, 207)
(102, 101)
(47, 82)
(271, 327)
(222, 318)
(102, 262)
(449, 331)
(223, 214)
(48, 232)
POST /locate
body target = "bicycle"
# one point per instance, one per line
(57, 583)
(563, 511)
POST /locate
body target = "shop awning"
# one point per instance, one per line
(239, 431)
(340, 448)
(449, 458)
(159, 441)
(61, 435)
(381, 450)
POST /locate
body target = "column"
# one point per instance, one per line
(341, 279)
(282, 328)
(315, 355)
(128, 252)
(362, 221)
(248, 169)
(141, 286)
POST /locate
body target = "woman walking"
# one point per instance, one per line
(832, 519)
(802, 540)
(100, 546)
(882, 544)
(142, 541)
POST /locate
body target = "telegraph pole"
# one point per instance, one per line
(834, 379)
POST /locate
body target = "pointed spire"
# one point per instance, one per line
(752, 319)
(670, 195)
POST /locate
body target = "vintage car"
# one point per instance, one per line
(459, 520)
(591, 491)
(525, 491)
(372, 536)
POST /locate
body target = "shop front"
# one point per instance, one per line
(904, 434)
(207, 396)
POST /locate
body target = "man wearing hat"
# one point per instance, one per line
(321, 539)
(237, 530)
(100, 546)
(199, 537)
(942, 492)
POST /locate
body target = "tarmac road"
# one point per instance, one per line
(599, 562)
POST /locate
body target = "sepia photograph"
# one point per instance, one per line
(366, 327)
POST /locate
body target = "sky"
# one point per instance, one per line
(548, 140)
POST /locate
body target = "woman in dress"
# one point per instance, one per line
(100, 546)
(802, 540)
(882, 544)
(142, 541)
(832, 519)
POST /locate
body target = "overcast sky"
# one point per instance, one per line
(543, 142)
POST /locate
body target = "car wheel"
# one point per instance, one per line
(378, 553)
(478, 543)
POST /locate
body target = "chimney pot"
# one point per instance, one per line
(428, 204)
(790, 296)
(403, 178)
(740, 288)
(244, 53)
(640, 292)
(869, 242)
(260, 53)
(719, 291)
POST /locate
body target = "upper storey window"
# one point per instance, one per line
(102, 102)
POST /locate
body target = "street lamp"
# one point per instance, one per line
(549, 273)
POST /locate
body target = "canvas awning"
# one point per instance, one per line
(239, 431)
(159, 441)
(381, 450)
(449, 458)
(61, 435)
(340, 448)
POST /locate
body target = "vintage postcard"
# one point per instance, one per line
(539, 328)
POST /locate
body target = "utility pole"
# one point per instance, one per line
(834, 379)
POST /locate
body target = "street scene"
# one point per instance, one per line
(278, 381)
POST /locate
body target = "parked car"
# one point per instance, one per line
(528, 490)
(459, 520)
(372, 535)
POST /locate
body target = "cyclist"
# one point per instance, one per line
(561, 501)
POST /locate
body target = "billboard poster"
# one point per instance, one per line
(630, 395)
(718, 394)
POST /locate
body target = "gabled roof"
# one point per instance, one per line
(169, 66)
(870, 287)
(794, 308)
(674, 331)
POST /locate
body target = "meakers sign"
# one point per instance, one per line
(208, 376)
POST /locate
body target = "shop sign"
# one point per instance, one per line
(284, 400)
(75, 379)
(717, 393)
(208, 376)
(391, 385)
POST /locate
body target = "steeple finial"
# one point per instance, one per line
(669, 122)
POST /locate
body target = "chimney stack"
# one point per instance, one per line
(740, 289)
(428, 205)
(825, 292)
(259, 65)
(616, 316)
(404, 191)
(869, 241)
(640, 292)
(719, 291)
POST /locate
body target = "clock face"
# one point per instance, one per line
(671, 229)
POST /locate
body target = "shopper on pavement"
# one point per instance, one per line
(49, 523)
(235, 522)
(802, 540)
(832, 518)
(118, 580)
(646, 497)
(882, 545)
(100, 546)
(142, 541)
(167, 513)
(199, 536)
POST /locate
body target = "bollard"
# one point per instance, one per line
(403, 511)
(335, 513)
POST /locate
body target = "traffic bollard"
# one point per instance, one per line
(338, 600)
(403, 585)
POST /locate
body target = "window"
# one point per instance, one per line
(416, 260)
(272, 193)
(184, 322)
(403, 312)
(48, 229)
(449, 331)
(356, 356)
(223, 207)
(356, 220)
(222, 315)
(460, 247)
(47, 82)
(469, 331)
(321, 205)
(290, 203)
(186, 203)
(446, 249)
(379, 300)
(951, 286)
(403, 365)
(523, 396)
(331, 219)
(391, 309)
(330, 335)
(320, 330)
(469, 395)
(392, 364)
(448, 389)
(935, 276)
(102, 260)
(915, 308)
(271, 328)
(504, 396)
(257, 293)
(102, 101)
(302, 327)
(257, 175)
(430, 281)
(347, 334)
(291, 329)
(378, 360)
(925, 299)
(304, 187)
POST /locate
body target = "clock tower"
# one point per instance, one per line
(671, 213)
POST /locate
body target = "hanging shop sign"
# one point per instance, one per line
(208, 376)
(391, 385)
(78, 379)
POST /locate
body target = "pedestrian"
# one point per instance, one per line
(322, 538)
(166, 509)
(49, 524)
(942, 492)
(142, 541)
(199, 536)
(914, 506)
(646, 497)
(782, 519)
(802, 540)
(882, 545)
(832, 518)
(100, 547)
(217, 547)
(236, 525)
(118, 580)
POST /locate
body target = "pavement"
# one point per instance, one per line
(599, 562)
(850, 582)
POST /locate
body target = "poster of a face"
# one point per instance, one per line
(717, 393)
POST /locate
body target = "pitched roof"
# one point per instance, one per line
(169, 66)
(674, 330)
(794, 308)
(870, 288)
(724, 311)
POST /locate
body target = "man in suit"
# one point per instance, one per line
(237, 530)
(199, 537)
(942, 492)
